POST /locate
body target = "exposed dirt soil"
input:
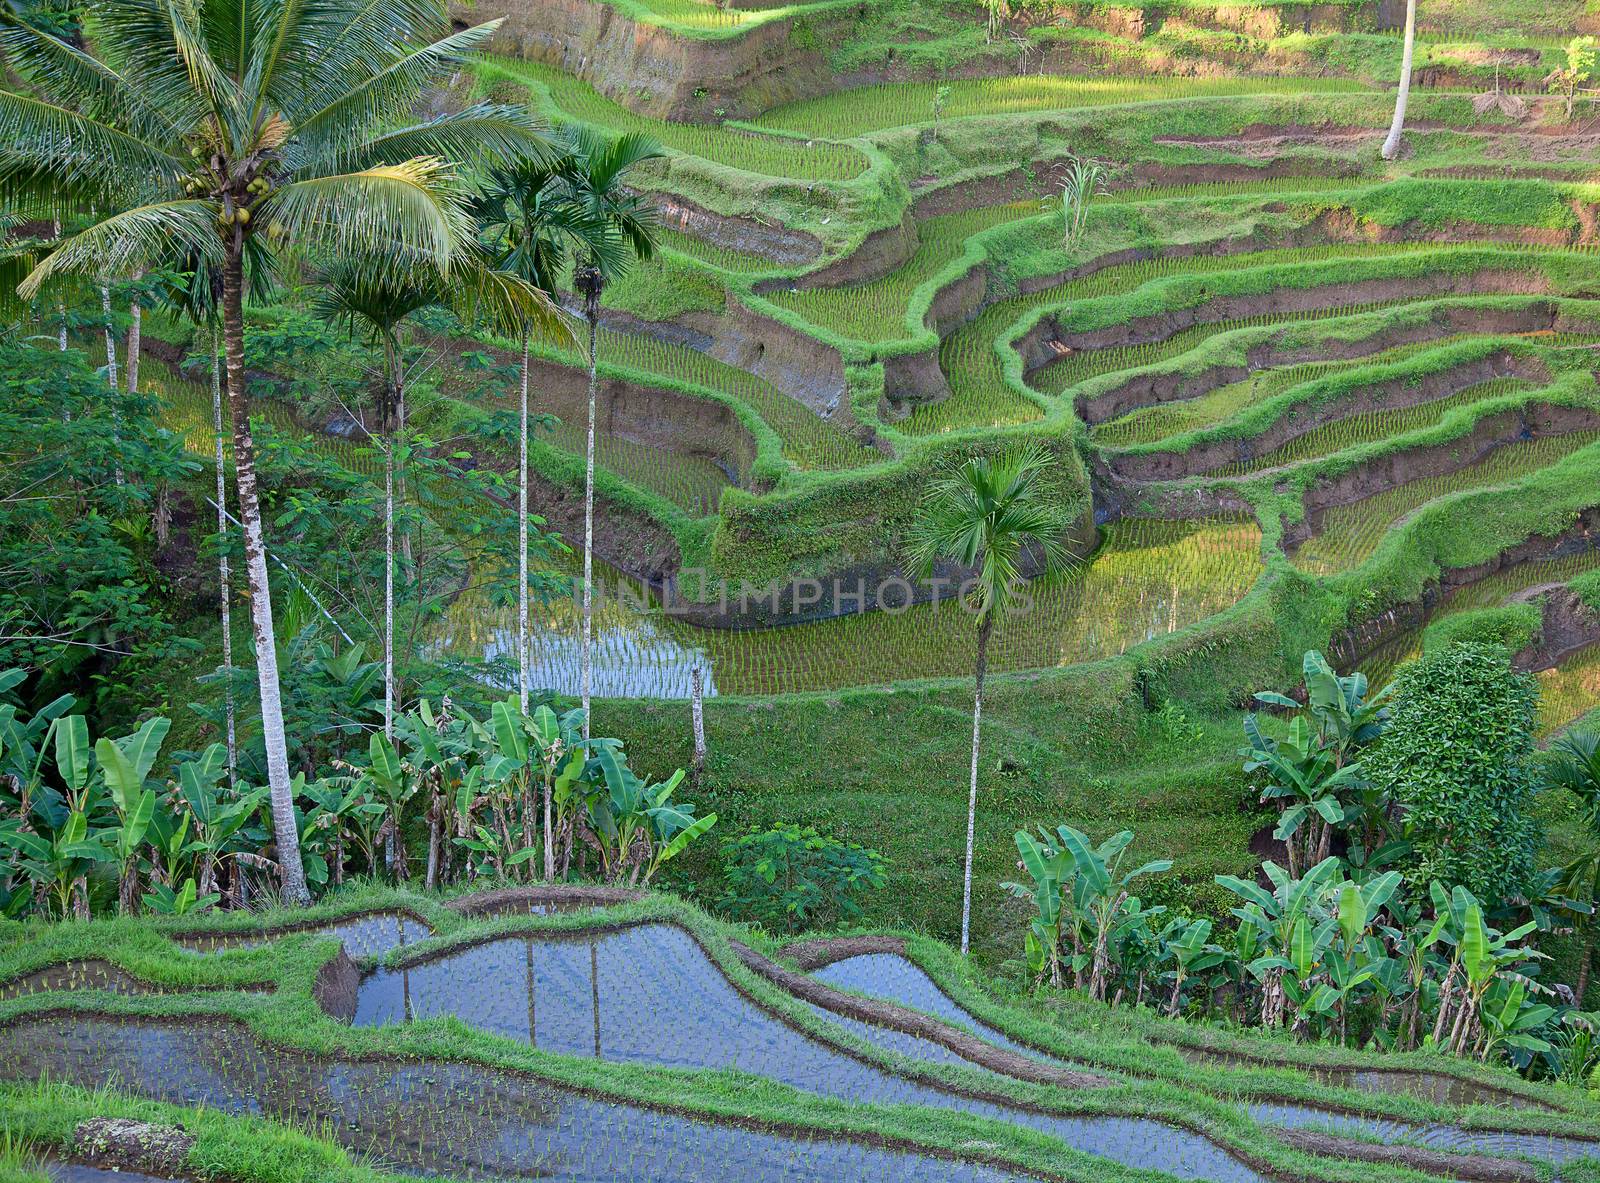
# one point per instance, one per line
(484, 903)
(814, 954)
(1350, 647)
(1567, 625)
(1535, 421)
(337, 984)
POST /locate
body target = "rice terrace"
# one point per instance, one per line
(694, 590)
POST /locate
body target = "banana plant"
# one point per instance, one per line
(1292, 927)
(396, 783)
(1189, 943)
(58, 865)
(162, 900)
(636, 825)
(1512, 1022)
(214, 814)
(563, 755)
(1313, 771)
(343, 815)
(125, 765)
(1048, 867)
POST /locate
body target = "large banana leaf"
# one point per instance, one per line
(72, 751)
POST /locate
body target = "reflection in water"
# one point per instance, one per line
(439, 1117)
(649, 994)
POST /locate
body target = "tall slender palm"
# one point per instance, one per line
(218, 128)
(1391, 144)
(378, 299)
(988, 516)
(598, 181)
(531, 224)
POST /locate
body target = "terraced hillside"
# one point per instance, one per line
(1275, 371)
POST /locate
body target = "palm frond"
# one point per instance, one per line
(986, 515)
(333, 132)
(475, 136)
(73, 149)
(341, 45)
(408, 214)
(57, 69)
(134, 240)
(508, 303)
(136, 38)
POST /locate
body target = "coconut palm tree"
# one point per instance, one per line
(1391, 145)
(532, 225)
(225, 130)
(988, 516)
(597, 180)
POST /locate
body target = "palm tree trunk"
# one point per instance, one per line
(1391, 145)
(522, 556)
(985, 630)
(111, 374)
(1585, 956)
(389, 404)
(135, 332)
(226, 594)
(255, 554)
(587, 657)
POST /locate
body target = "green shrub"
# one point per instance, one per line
(1455, 760)
(795, 878)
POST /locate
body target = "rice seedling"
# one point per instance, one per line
(850, 113)
(564, 97)
(1570, 690)
(1347, 535)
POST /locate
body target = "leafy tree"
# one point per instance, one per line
(792, 878)
(225, 132)
(1582, 56)
(77, 584)
(1454, 760)
(987, 516)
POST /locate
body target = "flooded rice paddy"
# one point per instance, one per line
(88, 974)
(443, 1118)
(612, 996)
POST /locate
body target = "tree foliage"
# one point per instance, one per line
(1454, 760)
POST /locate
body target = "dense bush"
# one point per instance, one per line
(1454, 761)
(795, 878)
